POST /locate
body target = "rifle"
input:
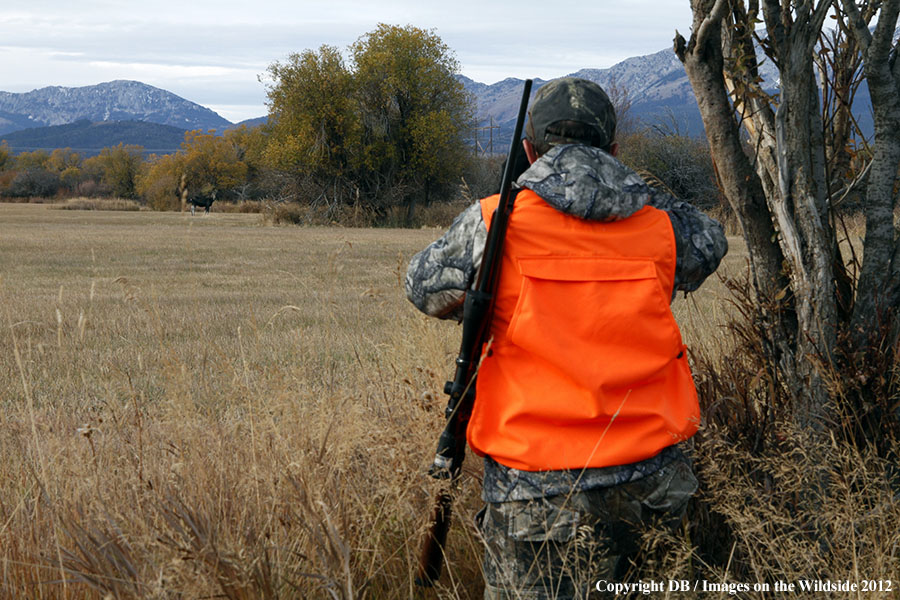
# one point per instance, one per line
(477, 311)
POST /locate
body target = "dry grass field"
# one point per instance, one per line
(210, 407)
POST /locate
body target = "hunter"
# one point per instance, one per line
(584, 394)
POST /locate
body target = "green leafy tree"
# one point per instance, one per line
(313, 113)
(313, 129)
(415, 112)
(386, 131)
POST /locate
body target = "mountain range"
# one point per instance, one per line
(110, 101)
(656, 85)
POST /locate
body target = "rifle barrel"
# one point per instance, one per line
(451, 452)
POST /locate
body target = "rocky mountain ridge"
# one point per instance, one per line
(119, 100)
(656, 85)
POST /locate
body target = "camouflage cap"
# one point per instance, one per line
(576, 100)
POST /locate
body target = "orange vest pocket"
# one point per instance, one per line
(616, 328)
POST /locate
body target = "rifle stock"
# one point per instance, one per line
(431, 557)
(447, 464)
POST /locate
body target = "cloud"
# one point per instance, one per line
(237, 112)
(164, 71)
(214, 53)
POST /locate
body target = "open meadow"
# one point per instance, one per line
(200, 407)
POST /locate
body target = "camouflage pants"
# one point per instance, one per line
(559, 547)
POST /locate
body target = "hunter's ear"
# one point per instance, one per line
(530, 152)
(613, 149)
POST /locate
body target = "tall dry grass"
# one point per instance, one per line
(196, 407)
(209, 407)
(82, 203)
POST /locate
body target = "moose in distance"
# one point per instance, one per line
(202, 201)
(202, 198)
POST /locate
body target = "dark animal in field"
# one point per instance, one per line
(202, 197)
(204, 202)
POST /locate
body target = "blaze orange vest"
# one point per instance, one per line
(586, 367)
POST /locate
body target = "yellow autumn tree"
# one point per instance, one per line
(205, 165)
(210, 164)
(117, 167)
(387, 130)
(67, 163)
(158, 182)
(6, 156)
(415, 111)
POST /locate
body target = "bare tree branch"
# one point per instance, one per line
(713, 19)
(775, 28)
(844, 192)
(818, 19)
(883, 38)
(857, 24)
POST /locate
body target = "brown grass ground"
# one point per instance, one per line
(208, 407)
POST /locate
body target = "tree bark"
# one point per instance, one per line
(703, 63)
(789, 185)
(879, 278)
(801, 211)
(743, 188)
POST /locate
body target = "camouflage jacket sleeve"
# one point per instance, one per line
(700, 241)
(439, 275)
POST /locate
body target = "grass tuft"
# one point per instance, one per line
(98, 204)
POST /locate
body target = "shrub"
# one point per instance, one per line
(33, 182)
(678, 163)
(244, 207)
(777, 502)
(92, 188)
(288, 213)
(482, 176)
(99, 204)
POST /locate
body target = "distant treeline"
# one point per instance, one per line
(89, 138)
(377, 139)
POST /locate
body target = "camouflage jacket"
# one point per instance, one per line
(590, 184)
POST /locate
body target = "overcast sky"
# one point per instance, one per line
(213, 52)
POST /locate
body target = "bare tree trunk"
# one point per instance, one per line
(410, 210)
(879, 278)
(702, 58)
(800, 207)
(789, 186)
(703, 61)
(752, 103)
